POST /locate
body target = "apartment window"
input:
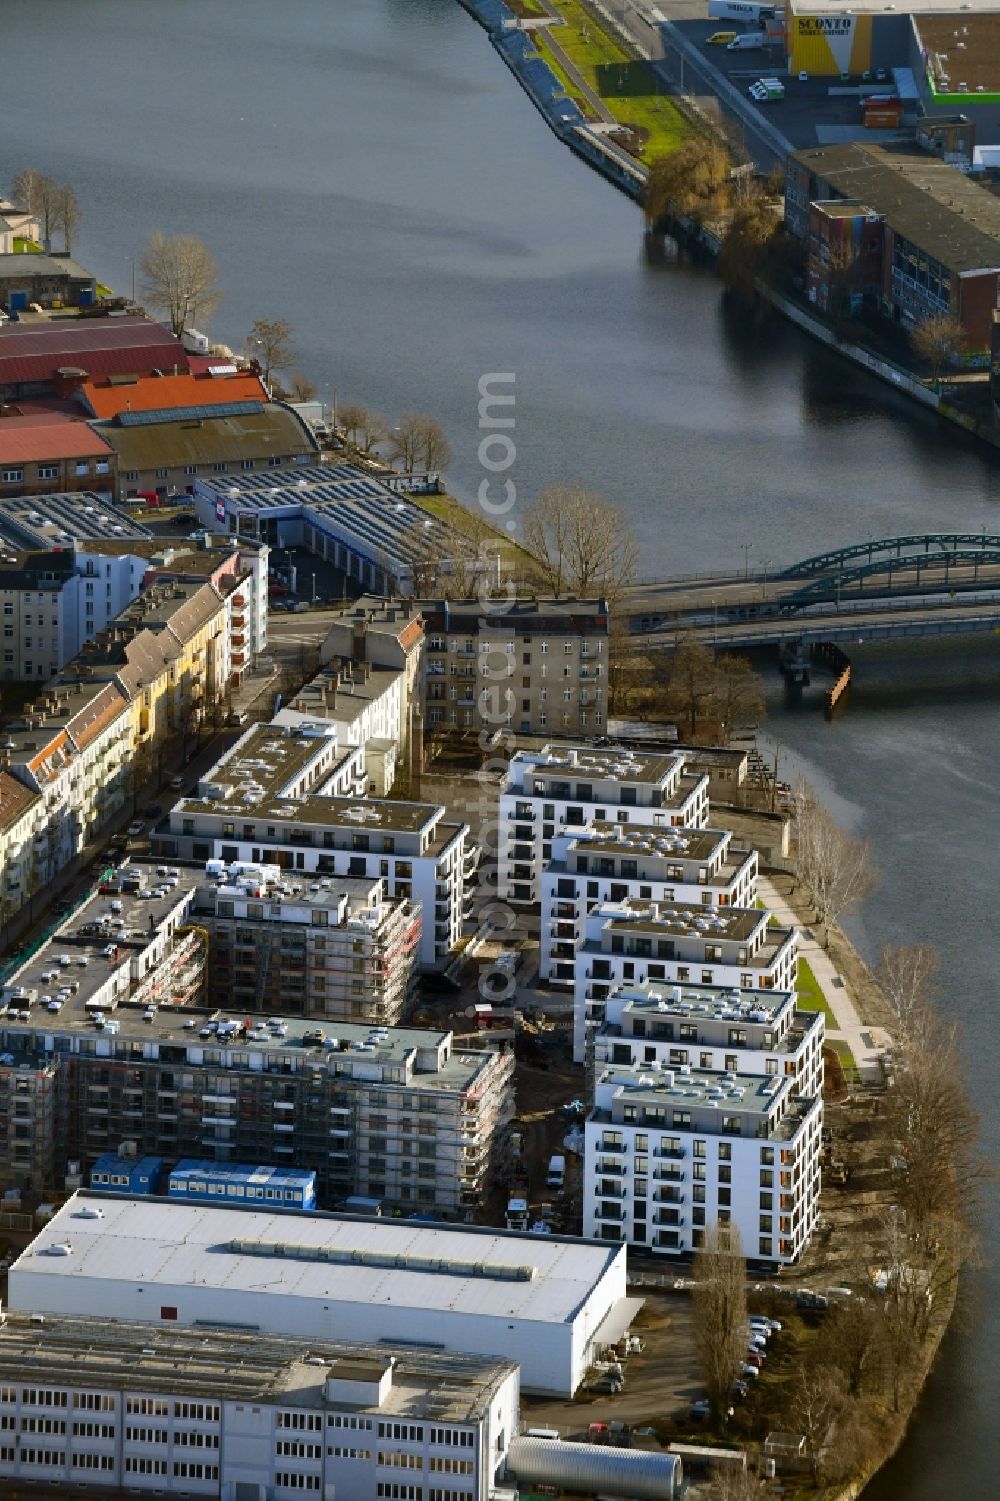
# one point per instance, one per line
(131, 474)
(220, 468)
(191, 470)
(162, 473)
(13, 476)
(246, 463)
(48, 471)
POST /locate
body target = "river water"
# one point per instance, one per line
(369, 170)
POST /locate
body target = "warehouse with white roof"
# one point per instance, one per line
(543, 1301)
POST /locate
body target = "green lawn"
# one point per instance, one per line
(811, 998)
(26, 247)
(628, 88)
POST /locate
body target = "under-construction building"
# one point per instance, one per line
(335, 948)
(394, 1114)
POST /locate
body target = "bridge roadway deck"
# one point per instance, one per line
(848, 623)
(673, 599)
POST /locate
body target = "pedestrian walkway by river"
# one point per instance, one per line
(848, 1026)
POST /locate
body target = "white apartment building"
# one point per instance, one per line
(670, 1152)
(708, 1027)
(22, 821)
(566, 787)
(150, 1408)
(639, 941)
(368, 706)
(51, 603)
(292, 796)
(612, 862)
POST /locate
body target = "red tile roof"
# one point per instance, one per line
(44, 436)
(31, 352)
(160, 393)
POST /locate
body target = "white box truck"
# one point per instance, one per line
(740, 10)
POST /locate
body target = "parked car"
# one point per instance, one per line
(176, 784)
(699, 1410)
(135, 827)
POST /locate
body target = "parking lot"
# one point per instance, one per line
(808, 115)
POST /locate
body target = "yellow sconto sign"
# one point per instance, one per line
(825, 46)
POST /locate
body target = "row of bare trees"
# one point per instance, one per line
(54, 204)
(834, 866)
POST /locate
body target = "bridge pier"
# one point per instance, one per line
(793, 664)
(839, 663)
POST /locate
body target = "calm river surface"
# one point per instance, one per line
(369, 170)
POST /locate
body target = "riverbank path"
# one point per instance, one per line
(847, 1026)
(591, 95)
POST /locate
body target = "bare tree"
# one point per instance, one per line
(362, 427)
(630, 671)
(583, 544)
(693, 181)
(406, 439)
(816, 1399)
(836, 868)
(692, 684)
(67, 215)
(852, 1343)
(904, 974)
(270, 343)
(39, 195)
(435, 450)
(939, 340)
(720, 1312)
(302, 388)
(180, 278)
(739, 694)
(734, 1484)
(931, 1119)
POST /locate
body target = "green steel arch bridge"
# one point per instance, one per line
(926, 584)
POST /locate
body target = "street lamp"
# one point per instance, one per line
(745, 547)
(767, 564)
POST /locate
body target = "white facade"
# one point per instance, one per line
(671, 1152)
(709, 1027)
(539, 1301)
(47, 615)
(639, 941)
(163, 1411)
(330, 831)
(566, 787)
(613, 862)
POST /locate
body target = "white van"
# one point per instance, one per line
(556, 1176)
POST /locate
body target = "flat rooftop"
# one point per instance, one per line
(358, 814)
(965, 48)
(48, 521)
(527, 615)
(922, 198)
(468, 1270)
(85, 940)
(749, 1093)
(957, 8)
(612, 765)
(266, 759)
(639, 839)
(737, 924)
(704, 1002)
(226, 1364)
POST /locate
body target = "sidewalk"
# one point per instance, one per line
(848, 1027)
